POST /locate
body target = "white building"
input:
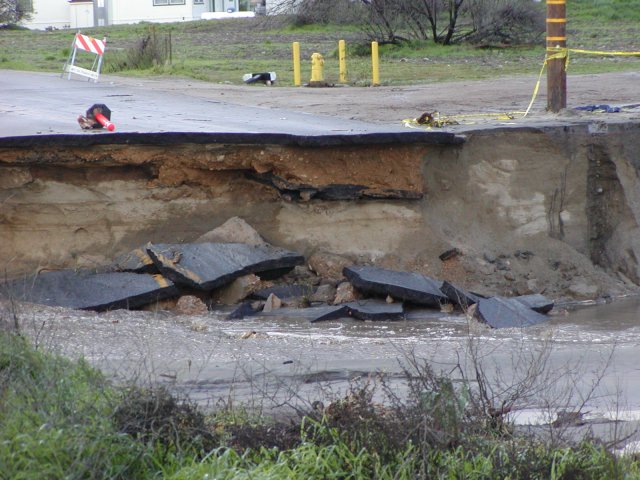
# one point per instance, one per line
(48, 14)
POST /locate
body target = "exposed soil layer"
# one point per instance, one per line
(538, 207)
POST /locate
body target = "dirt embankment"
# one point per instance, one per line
(543, 205)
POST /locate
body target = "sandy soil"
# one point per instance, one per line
(384, 105)
(471, 103)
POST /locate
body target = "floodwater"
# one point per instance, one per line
(588, 357)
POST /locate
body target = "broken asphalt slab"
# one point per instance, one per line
(90, 291)
(136, 261)
(464, 299)
(536, 302)
(245, 309)
(405, 286)
(207, 266)
(375, 310)
(459, 296)
(500, 312)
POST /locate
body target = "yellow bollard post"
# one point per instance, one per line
(342, 56)
(317, 75)
(296, 64)
(375, 64)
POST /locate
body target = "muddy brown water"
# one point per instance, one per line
(283, 360)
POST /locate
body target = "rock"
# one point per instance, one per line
(237, 290)
(490, 257)
(503, 264)
(207, 266)
(459, 296)
(523, 254)
(487, 269)
(583, 290)
(500, 312)
(234, 230)
(272, 303)
(452, 253)
(344, 293)
(328, 265)
(447, 308)
(527, 287)
(190, 305)
(532, 286)
(324, 293)
(406, 286)
(136, 261)
(536, 302)
(302, 274)
(91, 291)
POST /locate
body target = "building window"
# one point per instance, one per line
(157, 3)
(198, 2)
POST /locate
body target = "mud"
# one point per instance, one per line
(282, 361)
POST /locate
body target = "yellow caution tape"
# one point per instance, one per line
(553, 56)
(553, 53)
(599, 52)
(434, 119)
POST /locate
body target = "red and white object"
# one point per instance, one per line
(105, 122)
(90, 44)
(85, 43)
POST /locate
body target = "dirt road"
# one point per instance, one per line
(390, 105)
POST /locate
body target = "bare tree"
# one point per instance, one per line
(393, 21)
(505, 21)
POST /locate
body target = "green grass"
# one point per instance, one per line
(54, 419)
(221, 51)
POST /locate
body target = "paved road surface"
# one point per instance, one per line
(46, 104)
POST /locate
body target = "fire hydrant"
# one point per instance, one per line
(317, 65)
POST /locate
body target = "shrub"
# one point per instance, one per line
(149, 51)
(156, 417)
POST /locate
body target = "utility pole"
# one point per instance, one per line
(556, 67)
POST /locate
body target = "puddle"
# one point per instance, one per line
(209, 358)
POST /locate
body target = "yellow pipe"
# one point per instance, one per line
(296, 64)
(342, 56)
(375, 64)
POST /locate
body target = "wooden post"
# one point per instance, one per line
(556, 67)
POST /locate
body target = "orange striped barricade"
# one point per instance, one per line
(93, 46)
